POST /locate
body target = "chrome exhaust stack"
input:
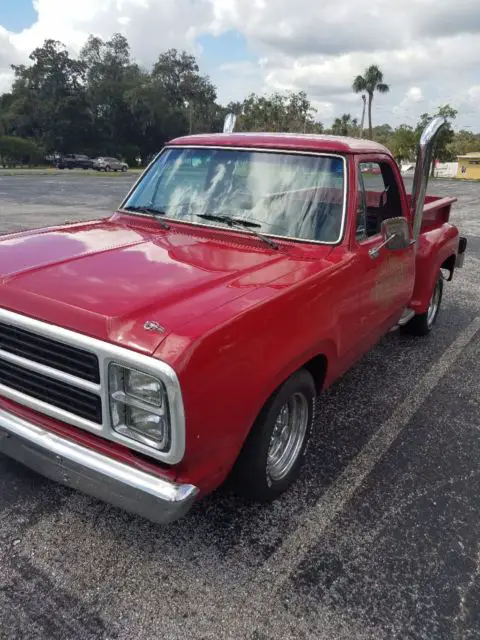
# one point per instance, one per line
(422, 171)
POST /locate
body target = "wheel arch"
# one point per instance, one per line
(449, 265)
(318, 368)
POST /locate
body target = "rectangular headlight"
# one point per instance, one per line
(139, 406)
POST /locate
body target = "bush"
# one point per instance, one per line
(19, 151)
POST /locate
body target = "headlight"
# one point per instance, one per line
(139, 406)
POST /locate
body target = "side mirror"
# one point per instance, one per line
(395, 233)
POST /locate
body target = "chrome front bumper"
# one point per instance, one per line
(93, 473)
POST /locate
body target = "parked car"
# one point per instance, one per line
(74, 161)
(147, 356)
(370, 167)
(109, 164)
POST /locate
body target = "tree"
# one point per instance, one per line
(190, 94)
(110, 76)
(290, 112)
(48, 101)
(441, 150)
(403, 143)
(345, 125)
(15, 151)
(371, 81)
(383, 134)
(464, 142)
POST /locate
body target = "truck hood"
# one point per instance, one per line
(108, 278)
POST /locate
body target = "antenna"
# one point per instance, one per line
(229, 123)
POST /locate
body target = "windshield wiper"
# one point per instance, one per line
(242, 224)
(150, 210)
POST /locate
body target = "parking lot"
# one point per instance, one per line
(378, 540)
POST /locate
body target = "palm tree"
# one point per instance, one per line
(371, 81)
(345, 125)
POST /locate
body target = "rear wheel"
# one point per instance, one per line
(273, 454)
(422, 324)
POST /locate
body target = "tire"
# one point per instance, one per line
(259, 473)
(107, 168)
(422, 324)
(124, 169)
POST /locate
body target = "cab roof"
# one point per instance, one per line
(286, 141)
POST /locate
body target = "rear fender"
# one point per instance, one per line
(435, 248)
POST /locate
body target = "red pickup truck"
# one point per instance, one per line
(147, 356)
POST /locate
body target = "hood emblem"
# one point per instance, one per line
(151, 325)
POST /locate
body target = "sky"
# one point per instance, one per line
(428, 49)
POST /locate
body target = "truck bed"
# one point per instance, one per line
(435, 212)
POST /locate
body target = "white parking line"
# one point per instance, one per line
(317, 519)
(277, 569)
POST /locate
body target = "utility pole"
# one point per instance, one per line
(364, 98)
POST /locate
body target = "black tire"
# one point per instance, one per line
(107, 169)
(124, 169)
(252, 476)
(422, 324)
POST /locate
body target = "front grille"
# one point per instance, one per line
(51, 353)
(59, 394)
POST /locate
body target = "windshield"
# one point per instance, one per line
(286, 195)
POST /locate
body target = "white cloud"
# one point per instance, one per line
(426, 48)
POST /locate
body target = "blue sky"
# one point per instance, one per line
(16, 15)
(427, 50)
(228, 48)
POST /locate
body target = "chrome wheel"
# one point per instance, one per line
(434, 303)
(287, 437)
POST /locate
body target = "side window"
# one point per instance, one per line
(381, 193)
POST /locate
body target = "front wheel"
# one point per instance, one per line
(273, 454)
(422, 324)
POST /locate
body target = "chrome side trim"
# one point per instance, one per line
(93, 473)
(106, 353)
(258, 149)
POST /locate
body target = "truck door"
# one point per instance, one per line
(385, 279)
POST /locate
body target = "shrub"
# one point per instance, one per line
(19, 151)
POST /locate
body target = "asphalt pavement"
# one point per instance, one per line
(378, 540)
